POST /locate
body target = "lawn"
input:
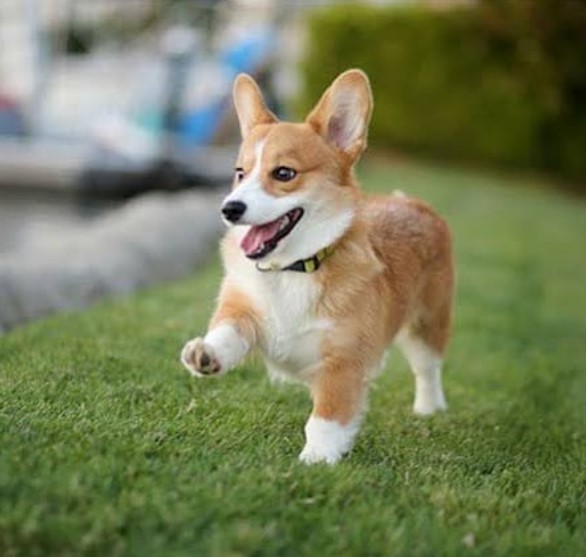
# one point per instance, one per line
(108, 448)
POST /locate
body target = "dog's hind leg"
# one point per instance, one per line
(423, 342)
(424, 337)
(426, 364)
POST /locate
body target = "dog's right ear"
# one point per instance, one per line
(250, 106)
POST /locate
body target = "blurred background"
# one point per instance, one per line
(103, 102)
(109, 99)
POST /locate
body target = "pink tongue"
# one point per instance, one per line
(258, 235)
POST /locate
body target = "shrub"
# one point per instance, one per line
(488, 82)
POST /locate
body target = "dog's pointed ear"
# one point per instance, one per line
(342, 115)
(250, 106)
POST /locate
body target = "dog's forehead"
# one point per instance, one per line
(276, 142)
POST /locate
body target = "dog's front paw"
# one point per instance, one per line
(316, 455)
(327, 441)
(199, 358)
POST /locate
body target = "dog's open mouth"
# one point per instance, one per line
(261, 239)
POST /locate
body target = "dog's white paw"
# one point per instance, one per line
(316, 455)
(327, 441)
(200, 359)
(426, 406)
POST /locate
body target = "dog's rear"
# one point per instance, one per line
(321, 279)
(415, 245)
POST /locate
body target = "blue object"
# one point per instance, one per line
(249, 54)
(12, 123)
(199, 127)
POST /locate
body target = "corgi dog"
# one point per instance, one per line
(320, 278)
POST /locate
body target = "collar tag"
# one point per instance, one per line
(271, 266)
(309, 265)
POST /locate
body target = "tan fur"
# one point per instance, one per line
(295, 145)
(391, 270)
(250, 107)
(235, 307)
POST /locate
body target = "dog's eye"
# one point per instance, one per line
(239, 174)
(284, 173)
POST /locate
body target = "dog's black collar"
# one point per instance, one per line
(309, 265)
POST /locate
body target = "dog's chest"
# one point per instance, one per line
(292, 330)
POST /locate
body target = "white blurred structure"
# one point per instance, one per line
(17, 49)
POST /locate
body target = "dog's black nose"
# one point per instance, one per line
(233, 210)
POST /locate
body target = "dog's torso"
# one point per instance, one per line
(358, 300)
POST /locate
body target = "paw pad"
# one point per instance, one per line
(199, 358)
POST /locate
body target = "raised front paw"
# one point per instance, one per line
(199, 358)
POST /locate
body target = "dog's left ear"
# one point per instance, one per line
(342, 115)
(250, 106)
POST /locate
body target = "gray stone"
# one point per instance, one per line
(154, 238)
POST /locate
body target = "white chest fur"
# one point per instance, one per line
(292, 332)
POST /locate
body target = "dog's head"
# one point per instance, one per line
(293, 189)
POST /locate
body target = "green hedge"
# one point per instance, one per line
(475, 83)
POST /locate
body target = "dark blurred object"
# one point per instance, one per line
(111, 176)
(79, 39)
(495, 81)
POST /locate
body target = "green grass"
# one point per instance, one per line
(107, 447)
